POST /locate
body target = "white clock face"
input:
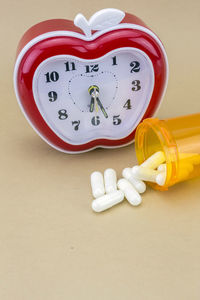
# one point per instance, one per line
(82, 100)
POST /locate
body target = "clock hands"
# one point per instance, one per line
(94, 92)
(95, 101)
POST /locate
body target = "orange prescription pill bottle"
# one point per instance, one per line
(179, 139)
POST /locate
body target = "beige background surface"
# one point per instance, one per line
(52, 246)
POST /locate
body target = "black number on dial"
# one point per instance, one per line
(136, 85)
(76, 123)
(52, 96)
(116, 120)
(70, 66)
(53, 76)
(95, 120)
(135, 66)
(114, 61)
(62, 114)
(127, 105)
(92, 68)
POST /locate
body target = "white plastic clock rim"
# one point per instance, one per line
(137, 120)
(83, 37)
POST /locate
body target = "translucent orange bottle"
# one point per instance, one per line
(179, 139)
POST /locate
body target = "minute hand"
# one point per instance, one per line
(101, 107)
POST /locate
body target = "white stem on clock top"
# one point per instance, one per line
(101, 20)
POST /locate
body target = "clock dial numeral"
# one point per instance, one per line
(116, 120)
(62, 114)
(135, 66)
(76, 124)
(52, 96)
(92, 68)
(114, 61)
(53, 76)
(95, 120)
(70, 66)
(127, 104)
(136, 85)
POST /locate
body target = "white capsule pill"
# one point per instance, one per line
(144, 173)
(154, 160)
(161, 178)
(97, 184)
(107, 201)
(139, 185)
(110, 180)
(130, 192)
(162, 168)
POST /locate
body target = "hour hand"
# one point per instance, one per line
(92, 105)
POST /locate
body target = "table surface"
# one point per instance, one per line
(52, 246)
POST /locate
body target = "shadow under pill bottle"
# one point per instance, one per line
(179, 139)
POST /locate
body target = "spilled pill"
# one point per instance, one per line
(145, 173)
(162, 168)
(104, 202)
(154, 160)
(139, 185)
(110, 180)
(97, 184)
(161, 178)
(130, 192)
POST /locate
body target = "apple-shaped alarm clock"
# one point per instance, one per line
(88, 84)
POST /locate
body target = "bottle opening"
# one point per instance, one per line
(152, 135)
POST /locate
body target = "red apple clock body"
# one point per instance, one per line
(88, 84)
